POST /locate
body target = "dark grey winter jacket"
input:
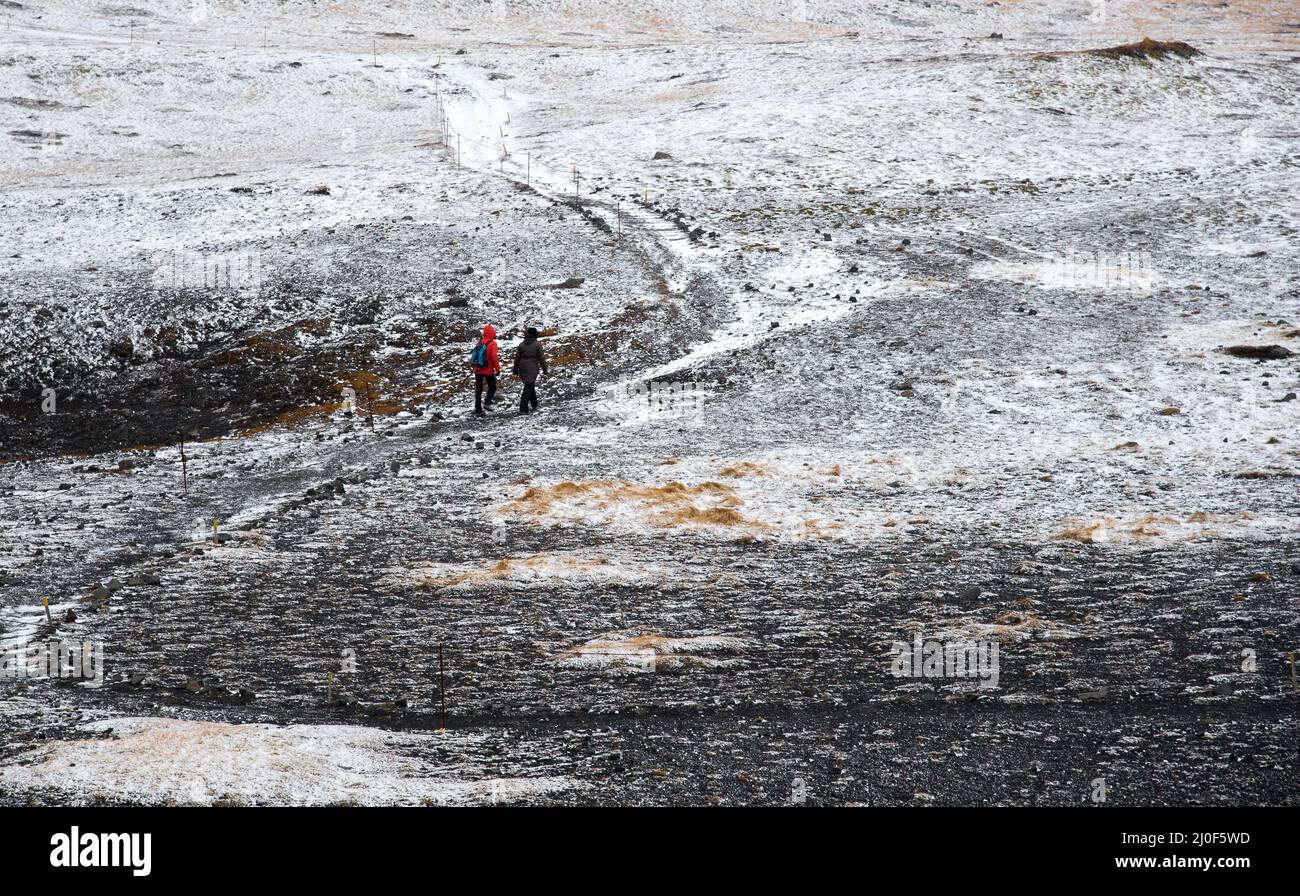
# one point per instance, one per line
(528, 360)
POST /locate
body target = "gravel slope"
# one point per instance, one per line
(914, 332)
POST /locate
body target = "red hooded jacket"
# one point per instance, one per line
(493, 361)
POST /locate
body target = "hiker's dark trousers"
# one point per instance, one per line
(529, 398)
(479, 380)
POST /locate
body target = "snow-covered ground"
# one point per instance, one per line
(175, 762)
(865, 320)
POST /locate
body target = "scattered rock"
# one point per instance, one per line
(1145, 49)
(1259, 352)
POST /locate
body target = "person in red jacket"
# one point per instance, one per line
(486, 366)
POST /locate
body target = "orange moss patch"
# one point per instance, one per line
(713, 516)
(1201, 516)
(669, 505)
(1007, 626)
(1147, 526)
(1154, 518)
(271, 346)
(362, 380)
(743, 469)
(293, 417)
(1084, 533)
(819, 530)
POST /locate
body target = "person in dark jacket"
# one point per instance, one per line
(529, 360)
(487, 373)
